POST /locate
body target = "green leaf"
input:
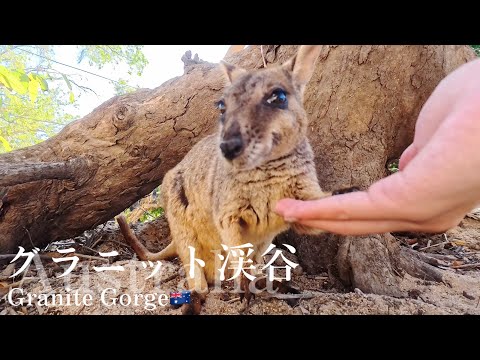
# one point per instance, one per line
(5, 77)
(72, 98)
(22, 76)
(41, 81)
(3, 70)
(5, 82)
(14, 80)
(5, 143)
(33, 86)
(68, 82)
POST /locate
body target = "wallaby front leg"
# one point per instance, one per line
(239, 252)
(309, 189)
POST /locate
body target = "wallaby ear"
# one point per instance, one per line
(231, 71)
(302, 64)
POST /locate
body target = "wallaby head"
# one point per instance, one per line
(261, 112)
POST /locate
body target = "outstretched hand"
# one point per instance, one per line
(438, 180)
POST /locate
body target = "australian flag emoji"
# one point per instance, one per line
(180, 297)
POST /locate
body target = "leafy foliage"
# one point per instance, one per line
(99, 55)
(151, 215)
(121, 87)
(393, 166)
(34, 93)
(476, 48)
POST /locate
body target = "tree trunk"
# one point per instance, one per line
(363, 102)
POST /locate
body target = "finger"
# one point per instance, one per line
(409, 153)
(358, 227)
(357, 205)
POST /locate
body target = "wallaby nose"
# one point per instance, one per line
(232, 147)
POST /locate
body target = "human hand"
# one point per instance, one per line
(439, 177)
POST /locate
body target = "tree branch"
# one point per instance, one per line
(13, 174)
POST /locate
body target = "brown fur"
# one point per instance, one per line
(209, 200)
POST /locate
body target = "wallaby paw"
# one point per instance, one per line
(245, 289)
(195, 305)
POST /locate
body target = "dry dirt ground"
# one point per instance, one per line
(457, 251)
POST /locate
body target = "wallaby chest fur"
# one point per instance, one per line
(212, 199)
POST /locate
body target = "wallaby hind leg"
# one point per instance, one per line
(196, 276)
(197, 282)
(143, 253)
(231, 235)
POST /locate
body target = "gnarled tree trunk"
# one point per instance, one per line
(363, 102)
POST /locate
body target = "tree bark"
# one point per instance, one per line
(13, 174)
(363, 102)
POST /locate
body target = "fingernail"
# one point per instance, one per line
(290, 219)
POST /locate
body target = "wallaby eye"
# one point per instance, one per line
(221, 106)
(278, 98)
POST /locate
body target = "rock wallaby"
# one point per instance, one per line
(225, 189)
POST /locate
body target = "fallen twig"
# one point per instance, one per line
(468, 296)
(12, 256)
(432, 260)
(443, 257)
(432, 246)
(467, 266)
(90, 257)
(88, 248)
(233, 300)
(292, 296)
(81, 309)
(100, 234)
(315, 277)
(471, 253)
(359, 292)
(263, 57)
(448, 268)
(110, 240)
(29, 236)
(169, 278)
(82, 256)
